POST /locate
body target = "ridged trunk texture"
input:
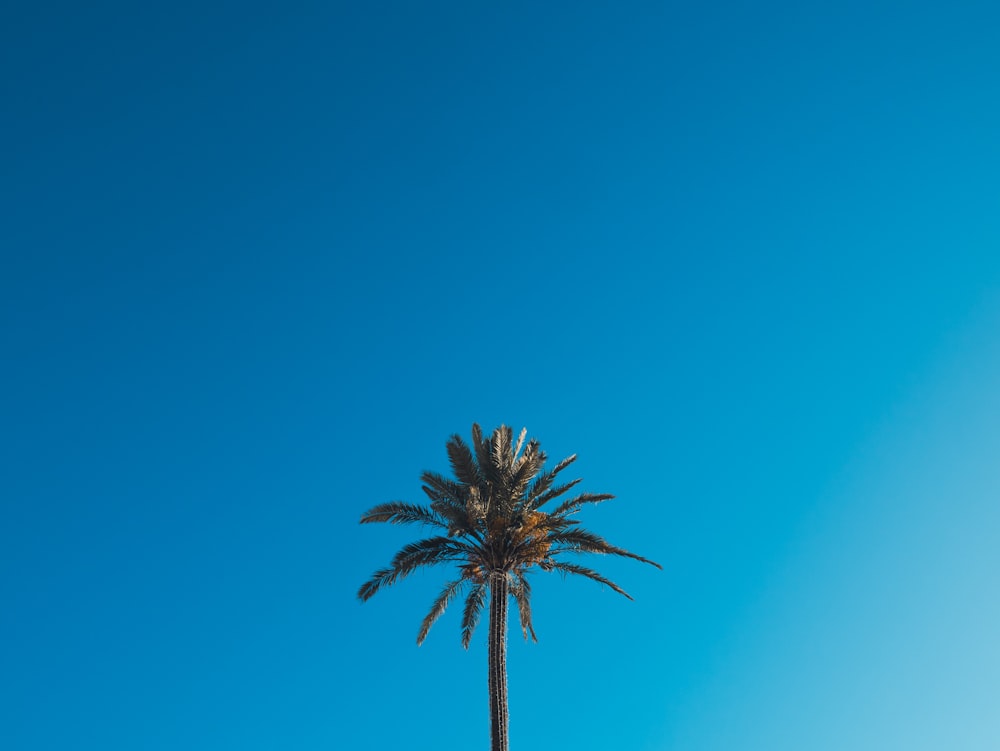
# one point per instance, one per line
(498, 664)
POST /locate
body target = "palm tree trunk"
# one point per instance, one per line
(498, 663)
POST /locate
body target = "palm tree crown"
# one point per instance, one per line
(494, 531)
(493, 527)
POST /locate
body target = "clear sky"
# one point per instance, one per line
(259, 262)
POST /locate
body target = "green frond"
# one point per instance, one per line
(438, 608)
(458, 521)
(579, 540)
(440, 488)
(470, 616)
(520, 590)
(545, 481)
(397, 512)
(573, 504)
(572, 568)
(483, 448)
(429, 552)
(526, 468)
(553, 523)
(540, 485)
(449, 501)
(563, 464)
(463, 464)
(381, 578)
(555, 493)
(449, 511)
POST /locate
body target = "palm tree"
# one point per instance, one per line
(494, 531)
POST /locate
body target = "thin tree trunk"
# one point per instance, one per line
(498, 663)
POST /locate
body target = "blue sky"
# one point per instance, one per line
(259, 262)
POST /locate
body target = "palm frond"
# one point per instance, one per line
(520, 589)
(397, 512)
(381, 578)
(410, 557)
(463, 463)
(520, 442)
(500, 442)
(440, 488)
(572, 568)
(526, 468)
(438, 608)
(573, 504)
(483, 448)
(470, 615)
(579, 540)
(555, 492)
(552, 522)
(545, 481)
(430, 551)
(563, 464)
(458, 520)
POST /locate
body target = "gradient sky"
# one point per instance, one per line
(259, 262)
